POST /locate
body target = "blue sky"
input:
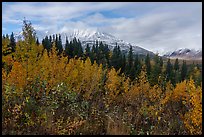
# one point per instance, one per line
(156, 26)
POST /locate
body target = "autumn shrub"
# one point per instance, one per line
(50, 94)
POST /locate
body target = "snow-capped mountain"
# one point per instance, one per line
(18, 36)
(187, 54)
(90, 37)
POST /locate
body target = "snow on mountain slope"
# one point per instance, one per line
(187, 54)
(88, 36)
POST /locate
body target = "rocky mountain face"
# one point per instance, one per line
(187, 54)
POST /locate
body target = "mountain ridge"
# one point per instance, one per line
(90, 37)
(185, 53)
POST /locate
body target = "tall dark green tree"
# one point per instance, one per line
(87, 51)
(130, 57)
(119, 57)
(3, 37)
(12, 42)
(107, 54)
(161, 62)
(116, 58)
(59, 45)
(67, 47)
(161, 79)
(80, 49)
(123, 63)
(156, 70)
(70, 49)
(129, 61)
(101, 54)
(170, 76)
(183, 71)
(96, 53)
(137, 66)
(92, 55)
(46, 44)
(168, 70)
(53, 38)
(37, 42)
(148, 65)
(75, 47)
(176, 65)
(56, 41)
(130, 70)
(7, 36)
(50, 39)
(176, 70)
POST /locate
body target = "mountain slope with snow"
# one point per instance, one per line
(187, 54)
(91, 36)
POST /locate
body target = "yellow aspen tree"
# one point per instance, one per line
(113, 83)
(17, 76)
(193, 118)
(91, 78)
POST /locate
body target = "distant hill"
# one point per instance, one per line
(186, 54)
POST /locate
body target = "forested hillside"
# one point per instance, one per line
(50, 90)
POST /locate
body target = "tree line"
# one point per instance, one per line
(129, 64)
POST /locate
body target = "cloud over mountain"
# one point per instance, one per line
(155, 26)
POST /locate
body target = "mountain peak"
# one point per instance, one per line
(185, 53)
(90, 36)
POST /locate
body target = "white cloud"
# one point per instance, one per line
(155, 26)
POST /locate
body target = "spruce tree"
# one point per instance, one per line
(148, 65)
(50, 39)
(183, 71)
(12, 43)
(67, 47)
(168, 70)
(137, 66)
(170, 75)
(87, 51)
(114, 57)
(59, 45)
(176, 70)
(119, 54)
(156, 70)
(107, 54)
(123, 63)
(7, 36)
(37, 42)
(53, 38)
(130, 57)
(101, 56)
(129, 61)
(46, 44)
(80, 49)
(56, 41)
(176, 65)
(75, 47)
(70, 49)
(161, 62)
(92, 56)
